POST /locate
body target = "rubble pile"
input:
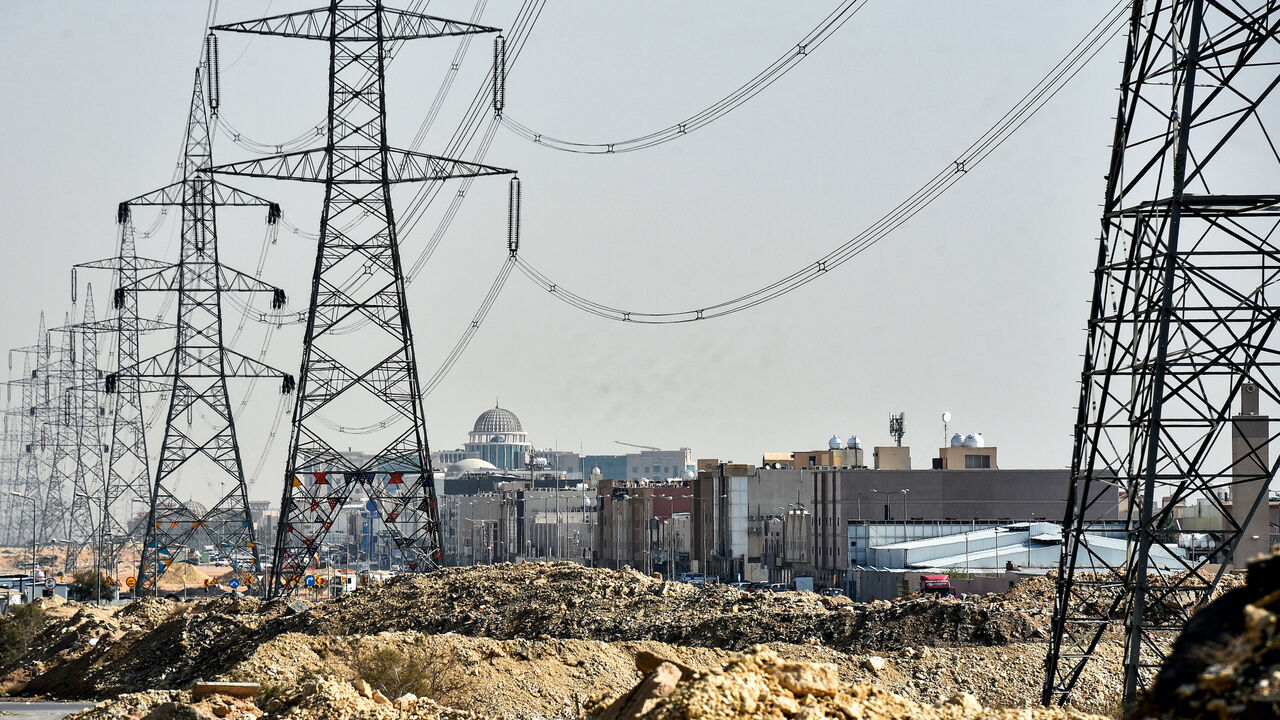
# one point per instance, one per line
(153, 643)
(1226, 663)
(539, 641)
(171, 705)
(566, 600)
(760, 685)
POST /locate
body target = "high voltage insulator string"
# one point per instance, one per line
(996, 135)
(725, 105)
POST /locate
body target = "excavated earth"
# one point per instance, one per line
(548, 641)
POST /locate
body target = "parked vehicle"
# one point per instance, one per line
(936, 584)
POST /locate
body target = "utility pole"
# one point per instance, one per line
(195, 372)
(358, 286)
(1180, 334)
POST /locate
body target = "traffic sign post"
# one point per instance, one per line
(309, 581)
(235, 583)
(50, 583)
(131, 581)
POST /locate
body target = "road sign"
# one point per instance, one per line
(208, 582)
(371, 506)
(309, 581)
(235, 583)
(130, 582)
(320, 580)
(50, 583)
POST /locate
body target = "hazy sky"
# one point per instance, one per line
(975, 306)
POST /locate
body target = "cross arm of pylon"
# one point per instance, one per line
(139, 263)
(356, 23)
(238, 365)
(111, 325)
(233, 365)
(169, 279)
(223, 194)
(233, 280)
(360, 164)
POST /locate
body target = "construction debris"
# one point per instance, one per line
(566, 600)
(602, 632)
(760, 685)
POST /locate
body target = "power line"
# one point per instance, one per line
(1026, 107)
(725, 105)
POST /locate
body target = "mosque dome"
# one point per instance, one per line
(497, 420)
(471, 465)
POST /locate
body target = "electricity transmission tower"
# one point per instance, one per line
(1180, 366)
(58, 416)
(200, 447)
(32, 465)
(370, 386)
(127, 477)
(78, 419)
(28, 432)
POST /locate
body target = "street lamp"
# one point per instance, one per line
(904, 492)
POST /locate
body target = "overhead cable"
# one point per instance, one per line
(725, 105)
(1030, 103)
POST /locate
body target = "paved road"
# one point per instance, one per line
(21, 710)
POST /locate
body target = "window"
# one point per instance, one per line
(977, 461)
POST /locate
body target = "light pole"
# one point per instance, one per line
(33, 534)
(904, 492)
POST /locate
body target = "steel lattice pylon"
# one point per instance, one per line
(128, 479)
(1180, 366)
(78, 419)
(205, 451)
(59, 415)
(31, 431)
(358, 285)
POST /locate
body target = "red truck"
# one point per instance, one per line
(936, 584)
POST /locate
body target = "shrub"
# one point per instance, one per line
(17, 629)
(86, 584)
(431, 672)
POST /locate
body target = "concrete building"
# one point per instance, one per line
(658, 464)
(633, 522)
(498, 437)
(996, 496)
(990, 558)
(612, 467)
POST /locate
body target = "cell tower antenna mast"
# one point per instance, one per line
(1179, 364)
(898, 427)
(372, 383)
(195, 372)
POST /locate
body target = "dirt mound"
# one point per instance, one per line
(183, 575)
(323, 699)
(526, 662)
(760, 685)
(1226, 663)
(565, 600)
(150, 644)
